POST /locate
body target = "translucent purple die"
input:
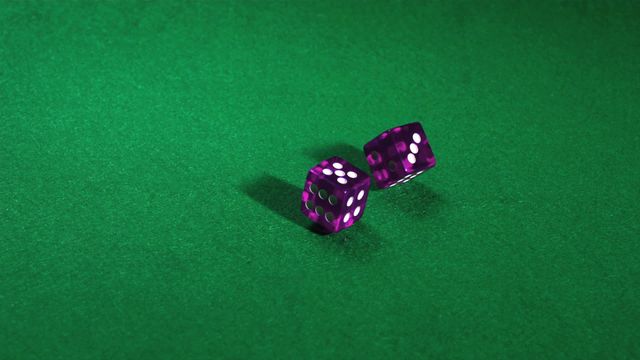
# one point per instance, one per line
(398, 155)
(335, 194)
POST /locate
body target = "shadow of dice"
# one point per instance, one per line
(398, 155)
(335, 194)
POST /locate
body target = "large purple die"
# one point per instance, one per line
(399, 154)
(335, 194)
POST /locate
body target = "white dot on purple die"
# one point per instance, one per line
(356, 211)
(416, 138)
(352, 174)
(360, 194)
(350, 201)
(337, 165)
(339, 173)
(342, 180)
(414, 148)
(346, 217)
(411, 158)
(327, 171)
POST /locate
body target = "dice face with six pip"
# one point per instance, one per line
(399, 154)
(335, 194)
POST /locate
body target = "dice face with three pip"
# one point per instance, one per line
(335, 194)
(398, 155)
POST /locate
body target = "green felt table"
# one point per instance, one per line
(152, 157)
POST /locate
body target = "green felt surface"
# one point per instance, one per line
(152, 156)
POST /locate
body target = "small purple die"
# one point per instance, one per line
(335, 194)
(399, 154)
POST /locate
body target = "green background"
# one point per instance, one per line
(152, 157)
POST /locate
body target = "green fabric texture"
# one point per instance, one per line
(152, 156)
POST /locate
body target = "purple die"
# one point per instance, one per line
(399, 154)
(335, 194)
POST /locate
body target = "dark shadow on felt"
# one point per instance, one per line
(281, 198)
(278, 196)
(414, 198)
(284, 199)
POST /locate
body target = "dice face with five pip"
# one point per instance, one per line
(335, 194)
(399, 154)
